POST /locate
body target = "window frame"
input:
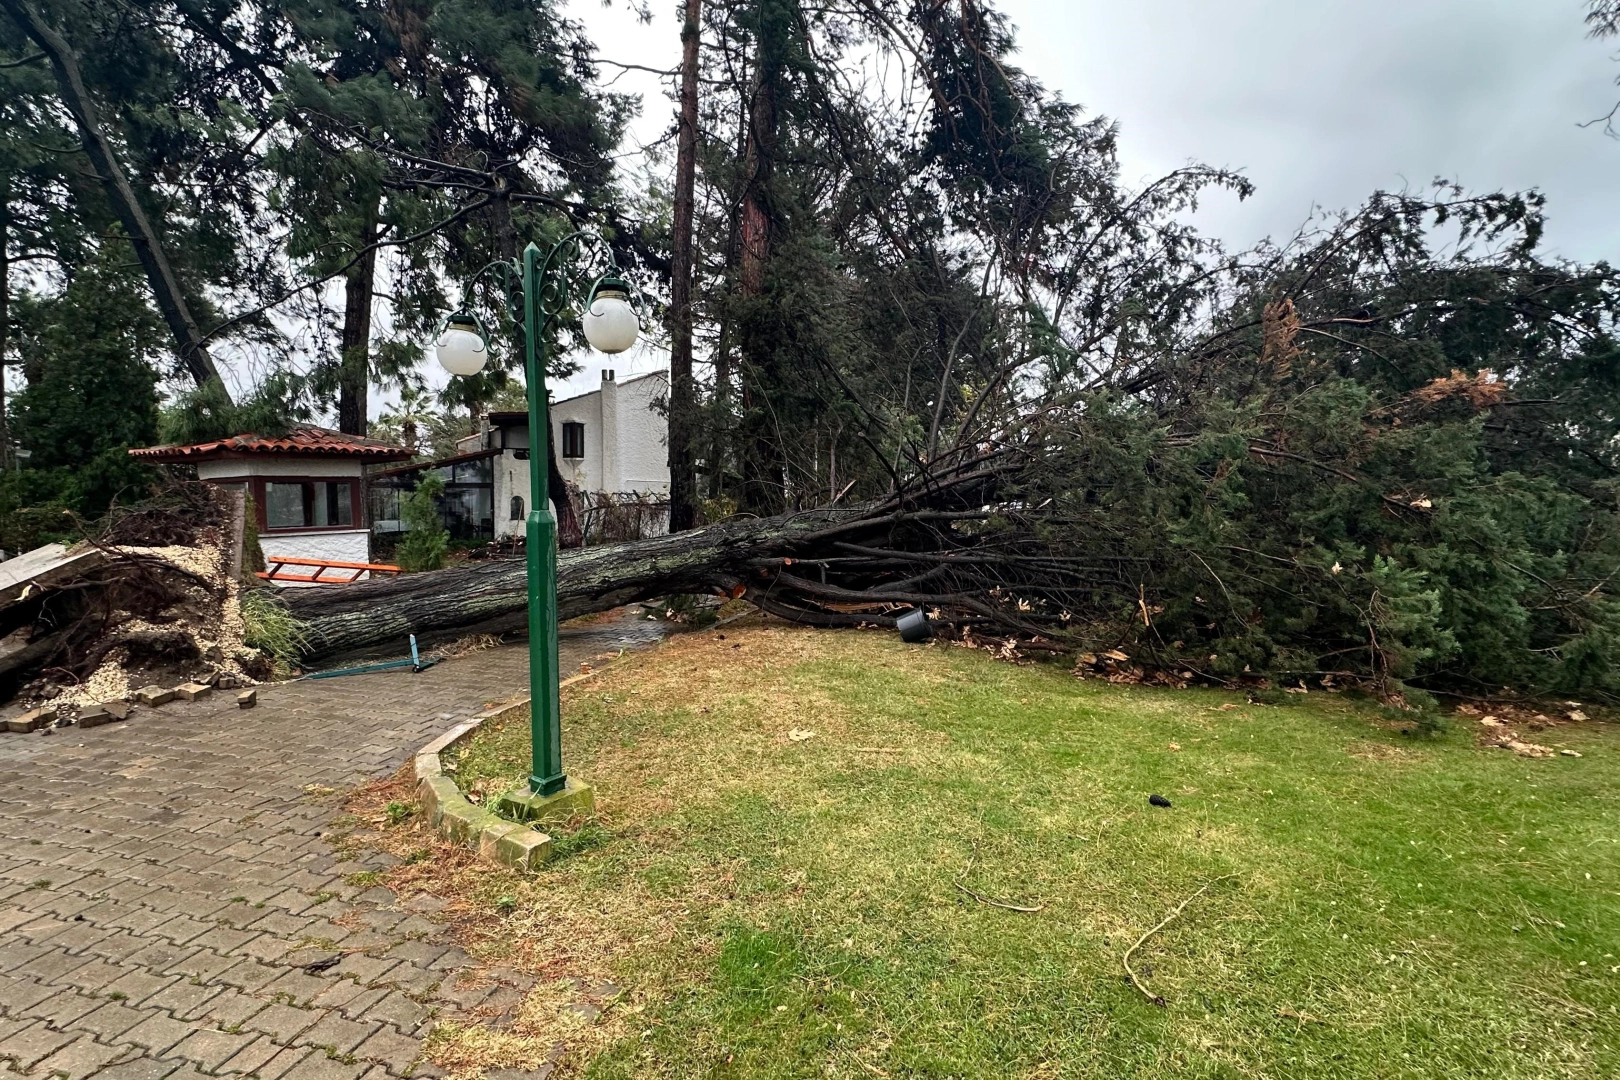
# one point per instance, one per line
(567, 427)
(357, 506)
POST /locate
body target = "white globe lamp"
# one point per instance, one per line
(611, 324)
(460, 346)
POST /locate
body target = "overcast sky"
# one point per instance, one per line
(1319, 102)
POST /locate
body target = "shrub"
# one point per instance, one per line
(426, 540)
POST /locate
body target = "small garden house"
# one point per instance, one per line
(307, 487)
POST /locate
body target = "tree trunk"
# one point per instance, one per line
(5, 314)
(763, 490)
(98, 148)
(682, 401)
(720, 412)
(354, 377)
(386, 610)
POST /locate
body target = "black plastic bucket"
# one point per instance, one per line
(913, 626)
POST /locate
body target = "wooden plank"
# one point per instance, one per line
(42, 567)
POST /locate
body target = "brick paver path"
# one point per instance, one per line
(164, 884)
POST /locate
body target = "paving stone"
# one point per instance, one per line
(210, 1048)
(350, 998)
(368, 969)
(64, 1007)
(158, 1033)
(232, 1008)
(81, 1058)
(338, 1034)
(285, 1060)
(187, 867)
(140, 1068)
(298, 985)
(110, 1021)
(17, 994)
(317, 1066)
(136, 986)
(251, 1057)
(186, 1000)
(33, 1043)
(392, 1049)
(400, 1011)
(52, 966)
(283, 1022)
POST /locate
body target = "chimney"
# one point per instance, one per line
(607, 374)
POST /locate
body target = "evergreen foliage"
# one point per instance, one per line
(426, 541)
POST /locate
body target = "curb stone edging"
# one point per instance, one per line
(458, 820)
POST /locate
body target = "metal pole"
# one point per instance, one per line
(545, 712)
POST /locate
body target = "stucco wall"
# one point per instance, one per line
(340, 545)
(643, 463)
(625, 436)
(584, 473)
(511, 478)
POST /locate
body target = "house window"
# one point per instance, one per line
(305, 504)
(573, 440)
(517, 508)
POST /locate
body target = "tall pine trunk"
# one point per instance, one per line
(682, 400)
(354, 377)
(132, 215)
(5, 313)
(763, 490)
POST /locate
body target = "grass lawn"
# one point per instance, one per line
(776, 905)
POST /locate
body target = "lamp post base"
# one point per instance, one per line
(524, 805)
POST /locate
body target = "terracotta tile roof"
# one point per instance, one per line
(304, 440)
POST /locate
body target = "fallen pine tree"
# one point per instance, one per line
(807, 566)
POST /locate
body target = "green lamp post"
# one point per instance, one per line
(538, 285)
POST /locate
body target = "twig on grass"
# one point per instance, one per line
(1158, 999)
(992, 901)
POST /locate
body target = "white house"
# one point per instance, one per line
(308, 487)
(612, 440)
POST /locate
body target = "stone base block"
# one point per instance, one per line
(523, 805)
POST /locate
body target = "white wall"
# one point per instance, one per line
(643, 436)
(290, 465)
(584, 473)
(511, 478)
(339, 545)
(625, 436)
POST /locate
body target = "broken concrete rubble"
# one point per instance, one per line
(32, 720)
(153, 696)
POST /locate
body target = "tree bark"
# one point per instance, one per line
(5, 314)
(98, 147)
(682, 400)
(386, 610)
(763, 491)
(354, 377)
